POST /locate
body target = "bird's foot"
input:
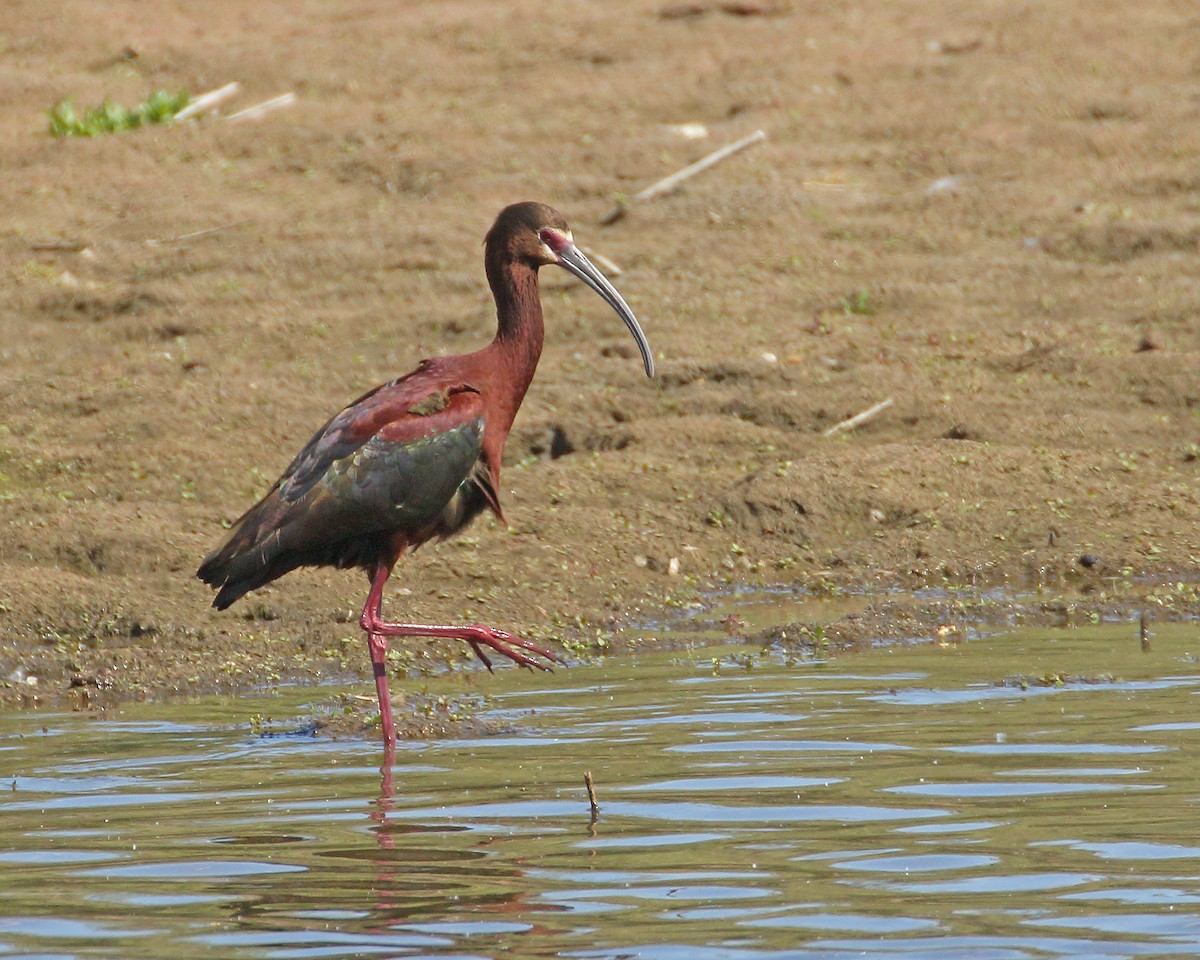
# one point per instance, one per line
(520, 651)
(505, 643)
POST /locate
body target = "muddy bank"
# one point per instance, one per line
(991, 228)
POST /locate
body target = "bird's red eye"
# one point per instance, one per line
(553, 239)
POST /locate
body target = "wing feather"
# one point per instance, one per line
(404, 458)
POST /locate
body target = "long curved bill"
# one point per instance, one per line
(570, 258)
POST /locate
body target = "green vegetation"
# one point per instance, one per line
(111, 117)
(858, 303)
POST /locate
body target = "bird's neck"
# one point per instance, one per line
(519, 333)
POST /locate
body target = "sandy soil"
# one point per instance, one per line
(987, 212)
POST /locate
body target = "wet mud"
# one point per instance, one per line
(953, 209)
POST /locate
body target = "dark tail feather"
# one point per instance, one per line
(248, 559)
(274, 538)
(230, 593)
(220, 570)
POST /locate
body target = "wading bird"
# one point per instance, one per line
(416, 458)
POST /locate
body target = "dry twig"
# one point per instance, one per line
(64, 246)
(859, 419)
(206, 101)
(259, 109)
(602, 261)
(667, 184)
(591, 792)
(198, 234)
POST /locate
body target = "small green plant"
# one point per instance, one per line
(859, 302)
(111, 117)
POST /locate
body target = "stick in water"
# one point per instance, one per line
(591, 791)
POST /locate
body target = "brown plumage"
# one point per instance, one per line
(418, 457)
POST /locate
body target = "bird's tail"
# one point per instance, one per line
(253, 555)
(213, 572)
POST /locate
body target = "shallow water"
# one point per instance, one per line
(892, 803)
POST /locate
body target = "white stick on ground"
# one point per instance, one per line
(667, 184)
(601, 261)
(859, 418)
(259, 109)
(206, 101)
(188, 237)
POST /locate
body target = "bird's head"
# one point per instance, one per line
(539, 236)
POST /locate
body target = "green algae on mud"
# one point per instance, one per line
(442, 696)
(1012, 280)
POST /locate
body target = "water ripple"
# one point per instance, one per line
(1023, 789)
(936, 836)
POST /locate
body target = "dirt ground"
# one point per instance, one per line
(987, 212)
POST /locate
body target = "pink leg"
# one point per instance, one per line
(377, 645)
(386, 790)
(477, 636)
